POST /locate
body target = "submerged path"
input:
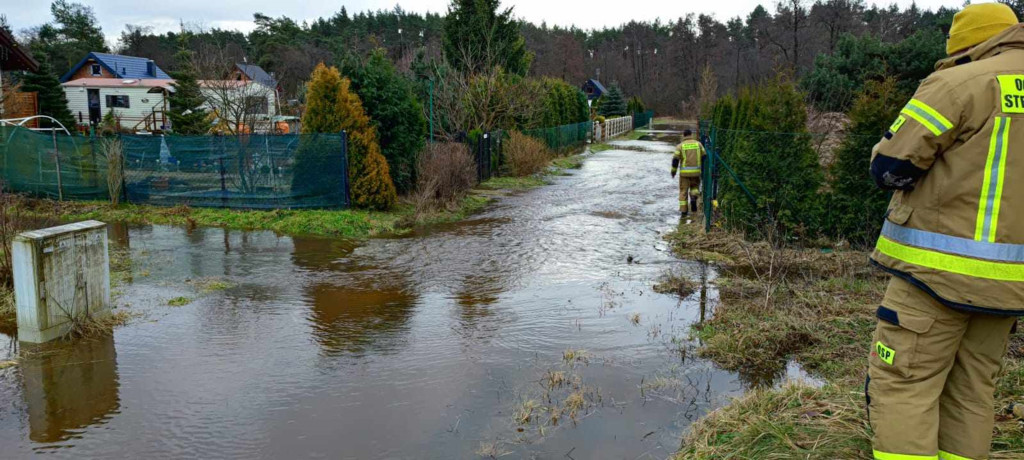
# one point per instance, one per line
(531, 329)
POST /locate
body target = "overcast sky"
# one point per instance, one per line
(164, 15)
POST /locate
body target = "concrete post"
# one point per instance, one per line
(61, 275)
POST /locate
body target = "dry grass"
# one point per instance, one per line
(554, 379)
(8, 311)
(779, 304)
(816, 307)
(6, 364)
(675, 282)
(525, 155)
(113, 150)
(525, 411)
(89, 326)
(492, 449)
(793, 422)
(634, 319)
(572, 356)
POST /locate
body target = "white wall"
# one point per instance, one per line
(78, 102)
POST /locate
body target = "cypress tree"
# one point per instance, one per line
(331, 108)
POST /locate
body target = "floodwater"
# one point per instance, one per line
(448, 343)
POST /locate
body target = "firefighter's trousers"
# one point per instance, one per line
(931, 377)
(689, 190)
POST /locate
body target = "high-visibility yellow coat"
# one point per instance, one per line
(955, 157)
(687, 158)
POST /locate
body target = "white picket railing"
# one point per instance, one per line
(612, 128)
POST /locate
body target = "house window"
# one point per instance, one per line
(120, 102)
(96, 71)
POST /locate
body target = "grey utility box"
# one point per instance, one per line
(61, 274)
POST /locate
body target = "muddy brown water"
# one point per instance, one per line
(424, 346)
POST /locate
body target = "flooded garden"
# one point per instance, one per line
(532, 329)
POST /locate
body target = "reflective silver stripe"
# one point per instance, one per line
(999, 153)
(1000, 252)
(938, 126)
(690, 168)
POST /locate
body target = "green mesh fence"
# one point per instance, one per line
(779, 175)
(252, 171)
(561, 137)
(41, 164)
(642, 119)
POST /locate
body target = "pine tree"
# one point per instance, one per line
(331, 108)
(477, 37)
(613, 104)
(187, 113)
(391, 103)
(50, 96)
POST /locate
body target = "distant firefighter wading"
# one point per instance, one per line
(687, 161)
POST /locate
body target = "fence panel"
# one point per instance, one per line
(255, 171)
(52, 166)
(642, 119)
(562, 137)
(611, 128)
(252, 171)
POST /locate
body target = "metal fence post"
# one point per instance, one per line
(344, 164)
(56, 156)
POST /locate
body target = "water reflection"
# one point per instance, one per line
(352, 314)
(68, 387)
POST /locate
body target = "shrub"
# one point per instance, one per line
(564, 104)
(445, 172)
(332, 108)
(525, 155)
(113, 150)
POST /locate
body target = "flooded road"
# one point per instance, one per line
(531, 331)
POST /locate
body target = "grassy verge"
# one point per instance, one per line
(816, 307)
(513, 183)
(346, 223)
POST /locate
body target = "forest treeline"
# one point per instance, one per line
(662, 62)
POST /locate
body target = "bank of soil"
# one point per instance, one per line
(816, 307)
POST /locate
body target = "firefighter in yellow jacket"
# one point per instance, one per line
(953, 239)
(686, 161)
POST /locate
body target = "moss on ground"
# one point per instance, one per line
(816, 307)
